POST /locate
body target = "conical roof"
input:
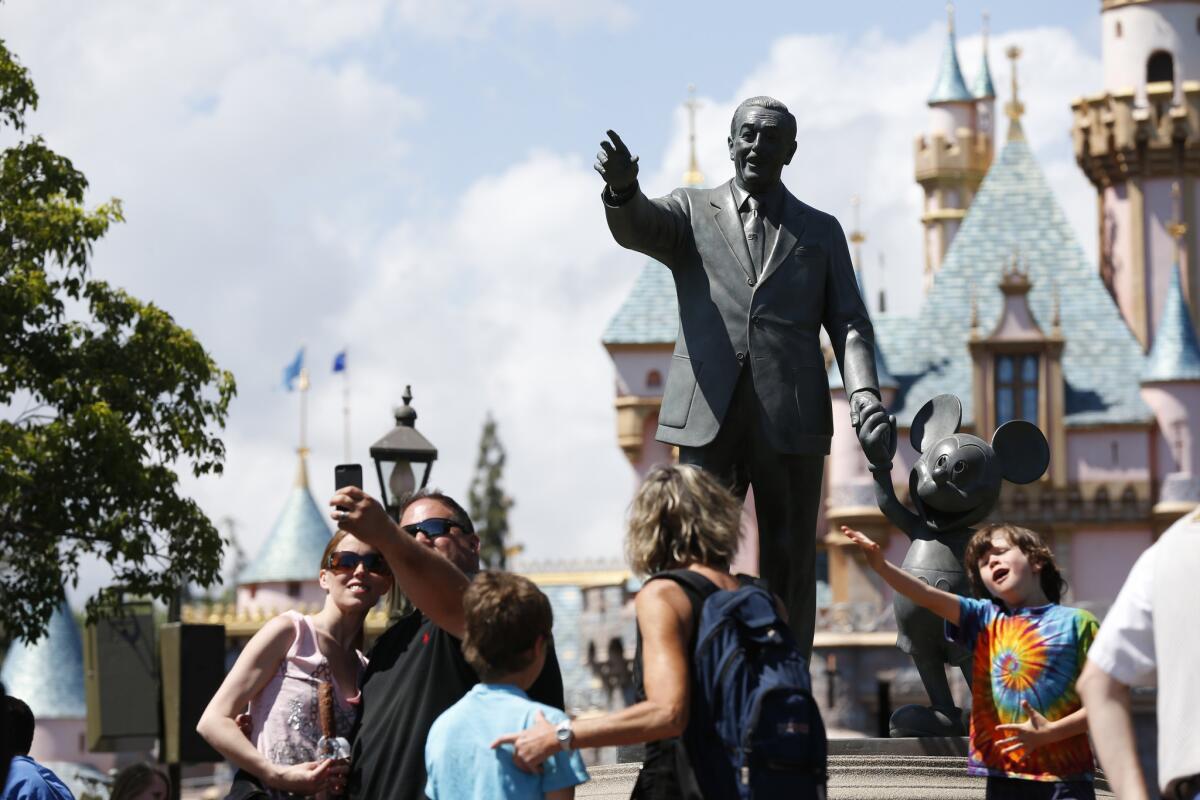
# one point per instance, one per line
(48, 675)
(950, 86)
(1015, 212)
(292, 552)
(650, 313)
(983, 88)
(1175, 354)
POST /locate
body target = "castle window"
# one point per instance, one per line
(653, 379)
(1160, 67)
(293, 589)
(1016, 388)
(1118, 29)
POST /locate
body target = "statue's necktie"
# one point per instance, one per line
(754, 234)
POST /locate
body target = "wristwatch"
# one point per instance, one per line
(563, 732)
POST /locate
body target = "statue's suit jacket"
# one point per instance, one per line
(730, 320)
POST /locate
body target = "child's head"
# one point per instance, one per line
(506, 616)
(1013, 565)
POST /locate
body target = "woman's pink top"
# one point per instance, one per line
(286, 721)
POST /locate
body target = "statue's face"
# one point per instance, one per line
(762, 144)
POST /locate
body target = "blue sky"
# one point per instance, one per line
(414, 180)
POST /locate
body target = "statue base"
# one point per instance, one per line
(860, 769)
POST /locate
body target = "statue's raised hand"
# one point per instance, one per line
(614, 163)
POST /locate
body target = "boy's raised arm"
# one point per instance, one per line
(944, 604)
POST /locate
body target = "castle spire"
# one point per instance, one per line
(1015, 108)
(693, 176)
(950, 86)
(984, 88)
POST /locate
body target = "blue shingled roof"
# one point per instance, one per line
(650, 313)
(983, 89)
(950, 86)
(48, 675)
(292, 552)
(1175, 354)
(1016, 211)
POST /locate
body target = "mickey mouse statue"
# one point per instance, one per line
(954, 485)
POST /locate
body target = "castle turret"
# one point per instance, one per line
(284, 575)
(1134, 139)
(983, 90)
(954, 154)
(1171, 387)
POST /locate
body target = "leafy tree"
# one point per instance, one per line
(102, 398)
(489, 504)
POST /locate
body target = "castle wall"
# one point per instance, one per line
(1160, 246)
(1177, 409)
(1144, 28)
(635, 366)
(1119, 456)
(64, 740)
(271, 598)
(1100, 560)
(947, 119)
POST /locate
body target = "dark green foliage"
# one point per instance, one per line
(102, 397)
(489, 504)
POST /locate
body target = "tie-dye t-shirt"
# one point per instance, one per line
(1034, 654)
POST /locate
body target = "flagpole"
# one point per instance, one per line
(346, 405)
(303, 411)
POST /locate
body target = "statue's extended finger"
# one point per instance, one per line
(607, 149)
(616, 140)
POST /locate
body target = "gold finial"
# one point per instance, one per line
(986, 20)
(950, 17)
(693, 176)
(1015, 107)
(1176, 227)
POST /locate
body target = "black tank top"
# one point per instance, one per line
(667, 770)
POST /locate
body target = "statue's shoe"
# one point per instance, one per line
(916, 720)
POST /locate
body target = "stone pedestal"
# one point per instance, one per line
(860, 769)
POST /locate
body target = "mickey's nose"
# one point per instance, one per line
(939, 473)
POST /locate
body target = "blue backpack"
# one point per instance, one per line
(753, 691)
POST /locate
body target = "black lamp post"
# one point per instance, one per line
(402, 448)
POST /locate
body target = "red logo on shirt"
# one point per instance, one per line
(425, 637)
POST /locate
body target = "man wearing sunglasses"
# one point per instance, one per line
(416, 668)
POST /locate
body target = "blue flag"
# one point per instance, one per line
(339, 362)
(292, 371)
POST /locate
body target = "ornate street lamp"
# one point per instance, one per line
(397, 453)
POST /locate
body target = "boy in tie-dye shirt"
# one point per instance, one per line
(1028, 727)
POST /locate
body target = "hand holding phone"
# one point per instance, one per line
(347, 475)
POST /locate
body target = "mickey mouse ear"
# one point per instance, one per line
(1022, 451)
(936, 420)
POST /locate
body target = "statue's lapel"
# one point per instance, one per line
(791, 225)
(729, 222)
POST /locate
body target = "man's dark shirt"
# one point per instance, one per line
(416, 672)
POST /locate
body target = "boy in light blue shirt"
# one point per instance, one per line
(508, 623)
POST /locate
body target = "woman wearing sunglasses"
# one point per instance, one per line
(278, 675)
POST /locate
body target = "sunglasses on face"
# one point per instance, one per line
(345, 561)
(433, 528)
